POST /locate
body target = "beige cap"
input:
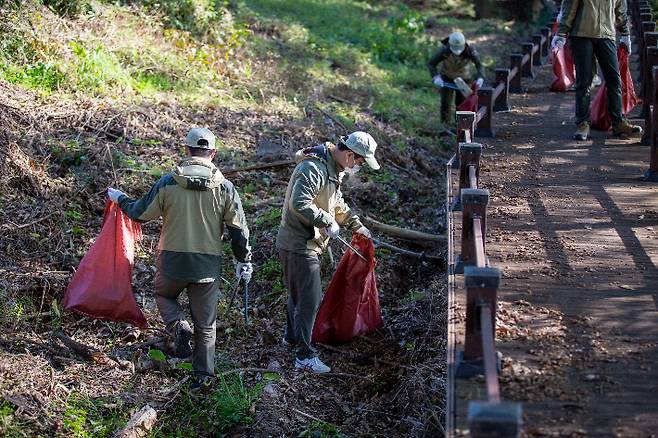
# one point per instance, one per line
(200, 138)
(362, 144)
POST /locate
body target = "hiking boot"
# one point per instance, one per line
(312, 364)
(582, 132)
(200, 383)
(182, 334)
(624, 128)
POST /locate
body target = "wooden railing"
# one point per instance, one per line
(646, 41)
(491, 417)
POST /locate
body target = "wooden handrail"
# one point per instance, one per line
(489, 354)
(478, 240)
(472, 178)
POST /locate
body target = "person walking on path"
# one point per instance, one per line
(196, 203)
(313, 212)
(592, 27)
(455, 57)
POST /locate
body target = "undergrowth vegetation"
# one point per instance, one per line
(121, 80)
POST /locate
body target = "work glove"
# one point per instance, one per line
(626, 40)
(479, 82)
(558, 42)
(114, 194)
(244, 271)
(332, 230)
(366, 232)
(438, 81)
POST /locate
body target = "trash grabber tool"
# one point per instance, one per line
(246, 303)
(233, 293)
(352, 248)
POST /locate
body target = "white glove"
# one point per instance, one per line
(479, 82)
(366, 232)
(558, 42)
(438, 81)
(244, 271)
(332, 230)
(626, 40)
(114, 194)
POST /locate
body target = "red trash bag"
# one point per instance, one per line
(563, 68)
(350, 306)
(471, 102)
(598, 109)
(101, 287)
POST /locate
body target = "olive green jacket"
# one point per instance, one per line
(195, 202)
(313, 199)
(594, 18)
(455, 66)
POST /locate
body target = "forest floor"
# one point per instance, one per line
(286, 89)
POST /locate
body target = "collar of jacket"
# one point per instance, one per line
(320, 153)
(196, 173)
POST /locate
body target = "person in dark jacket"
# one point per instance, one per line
(592, 27)
(455, 57)
(196, 204)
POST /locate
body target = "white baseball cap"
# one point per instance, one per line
(364, 145)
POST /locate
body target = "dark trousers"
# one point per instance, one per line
(301, 274)
(448, 95)
(605, 52)
(203, 307)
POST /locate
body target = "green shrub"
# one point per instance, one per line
(67, 8)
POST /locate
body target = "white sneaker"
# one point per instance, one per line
(313, 364)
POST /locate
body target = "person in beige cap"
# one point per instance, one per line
(313, 212)
(196, 202)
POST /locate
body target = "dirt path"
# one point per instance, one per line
(576, 234)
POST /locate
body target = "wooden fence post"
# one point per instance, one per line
(526, 68)
(652, 172)
(652, 60)
(536, 42)
(516, 66)
(485, 100)
(474, 203)
(501, 101)
(481, 286)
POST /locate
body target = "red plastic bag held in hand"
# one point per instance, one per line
(350, 306)
(101, 286)
(598, 109)
(471, 102)
(563, 68)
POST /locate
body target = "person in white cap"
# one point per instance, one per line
(313, 212)
(195, 202)
(455, 57)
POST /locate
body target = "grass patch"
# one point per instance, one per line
(227, 404)
(86, 417)
(10, 425)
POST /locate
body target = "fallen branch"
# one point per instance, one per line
(406, 252)
(18, 227)
(87, 353)
(139, 425)
(333, 118)
(403, 233)
(259, 166)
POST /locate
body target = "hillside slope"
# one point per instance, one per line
(97, 94)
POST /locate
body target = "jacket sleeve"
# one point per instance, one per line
(475, 57)
(569, 9)
(308, 182)
(344, 215)
(150, 206)
(621, 17)
(236, 224)
(434, 61)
